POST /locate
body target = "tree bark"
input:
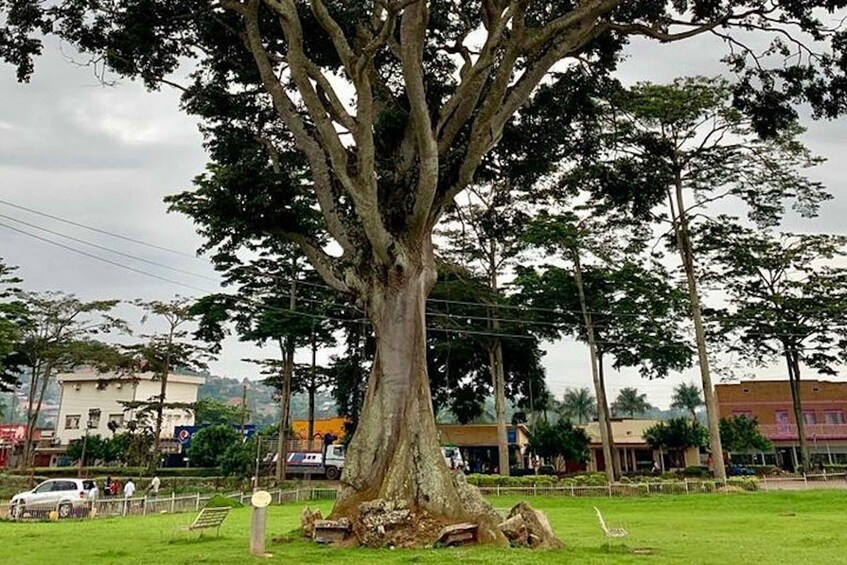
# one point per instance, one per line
(394, 454)
(285, 393)
(498, 377)
(792, 359)
(313, 386)
(160, 408)
(599, 388)
(686, 252)
(616, 459)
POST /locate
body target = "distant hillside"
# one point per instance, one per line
(261, 401)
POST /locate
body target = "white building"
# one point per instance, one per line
(87, 390)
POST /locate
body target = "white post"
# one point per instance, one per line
(258, 522)
(197, 503)
(686, 487)
(173, 502)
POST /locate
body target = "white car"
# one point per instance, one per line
(62, 495)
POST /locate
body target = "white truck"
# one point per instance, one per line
(313, 463)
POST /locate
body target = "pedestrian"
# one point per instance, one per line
(129, 490)
(107, 486)
(656, 469)
(116, 488)
(93, 493)
(153, 491)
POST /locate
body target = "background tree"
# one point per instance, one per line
(578, 403)
(787, 298)
(630, 402)
(687, 397)
(687, 146)
(163, 353)
(559, 442)
(56, 335)
(675, 436)
(741, 434)
(427, 110)
(239, 459)
(10, 335)
(606, 299)
(209, 445)
(213, 412)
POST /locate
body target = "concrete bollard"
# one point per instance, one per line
(258, 522)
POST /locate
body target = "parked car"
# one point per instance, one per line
(741, 471)
(62, 495)
(453, 458)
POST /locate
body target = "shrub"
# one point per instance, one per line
(221, 501)
(489, 481)
(745, 483)
(696, 471)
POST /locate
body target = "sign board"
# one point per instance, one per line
(511, 435)
(260, 499)
(184, 434)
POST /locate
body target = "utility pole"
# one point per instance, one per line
(243, 406)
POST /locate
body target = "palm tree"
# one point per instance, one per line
(687, 397)
(578, 403)
(629, 401)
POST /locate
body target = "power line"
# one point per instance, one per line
(487, 306)
(110, 250)
(98, 230)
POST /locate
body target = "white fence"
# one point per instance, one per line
(142, 506)
(117, 507)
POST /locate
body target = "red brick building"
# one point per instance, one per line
(824, 415)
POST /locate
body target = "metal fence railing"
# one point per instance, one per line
(142, 506)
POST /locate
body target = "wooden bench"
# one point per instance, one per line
(209, 518)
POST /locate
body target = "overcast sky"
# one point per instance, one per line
(105, 157)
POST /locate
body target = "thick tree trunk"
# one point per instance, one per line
(394, 454)
(498, 377)
(797, 402)
(680, 224)
(599, 388)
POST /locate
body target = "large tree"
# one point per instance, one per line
(787, 299)
(10, 309)
(57, 334)
(430, 88)
(687, 146)
(162, 353)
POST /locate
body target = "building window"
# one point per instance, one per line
(809, 418)
(833, 417)
(93, 419)
(72, 422)
(116, 420)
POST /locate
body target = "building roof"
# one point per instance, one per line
(624, 432)
(91, 375)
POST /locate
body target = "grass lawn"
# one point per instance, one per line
(769, 528)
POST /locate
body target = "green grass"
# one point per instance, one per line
(772, 528)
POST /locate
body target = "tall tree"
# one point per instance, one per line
(687, 146)
(57, 335)
(676, 435)
(435, 85)
(161, 354)
(787, 298)
(686, 396)
(631, 402)
(607, 299)
(578, 403)
(10, 335)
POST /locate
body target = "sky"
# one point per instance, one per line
(106, 156)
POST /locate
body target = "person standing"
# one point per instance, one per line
(92, 495)
(129, 490)
(153, 491)
(107, 486)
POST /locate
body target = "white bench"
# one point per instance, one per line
(209, 518)
(610, 532)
